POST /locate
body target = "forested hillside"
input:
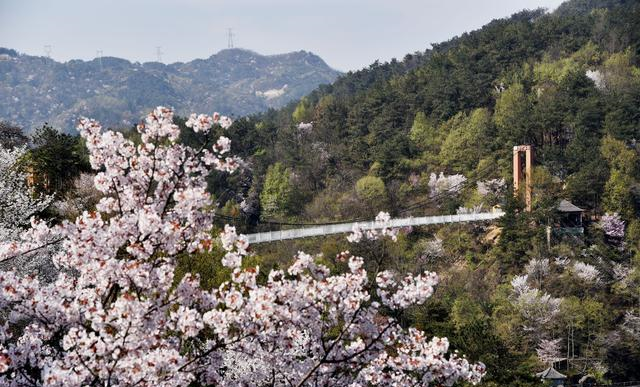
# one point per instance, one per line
(566, 82)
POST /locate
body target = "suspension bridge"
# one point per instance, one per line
(340, 228)
(307, 230)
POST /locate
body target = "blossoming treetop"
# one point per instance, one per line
(114, 316)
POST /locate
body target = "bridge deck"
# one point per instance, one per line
(329, 229)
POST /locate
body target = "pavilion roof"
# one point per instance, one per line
(550, 373)
(567, 206)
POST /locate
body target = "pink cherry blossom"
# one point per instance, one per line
(115, 315)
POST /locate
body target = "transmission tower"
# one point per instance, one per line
(47, 50)
(159, 53)
(99, 56)
(229, 37)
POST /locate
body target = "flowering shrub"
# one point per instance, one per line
(537, 269)
(586, 272)
(492, 186)
(431, 249)
(439, 184)
(305, 127)
(612, 225)
(117, 318)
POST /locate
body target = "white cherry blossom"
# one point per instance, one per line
(116, 317)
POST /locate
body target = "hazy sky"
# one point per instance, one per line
(347, 34)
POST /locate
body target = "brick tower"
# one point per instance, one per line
(522, 172)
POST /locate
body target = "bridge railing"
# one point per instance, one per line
(340, 228)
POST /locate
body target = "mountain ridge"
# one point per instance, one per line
(117, 91)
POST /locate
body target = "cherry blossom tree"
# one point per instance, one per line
(586, 272)
(431, 249)
(537, 307)
(537, 269)
(612, 225)
(17, 206)
(631, 324)
(442, 183)
(382, 221)
(548, 351)
(117, 317)
(491, 187)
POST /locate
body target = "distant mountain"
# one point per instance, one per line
(237, 82)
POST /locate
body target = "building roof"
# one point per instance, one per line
(550, 373)
(567, 206)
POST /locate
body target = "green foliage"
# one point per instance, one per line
(617, 196)
(466, 312)
(303, 111)
(549, 71)
(57, 158)
(424, 134)
(371, 190)
(546, 192)
(620, 74)
(515, 238)
(277, 192)
(619, 156)
(623, 163)
(512, 115)
(585, 187)
(468, 140)
(206, 265)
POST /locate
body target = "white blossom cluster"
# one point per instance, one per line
(18, 206)
(432, 249)
(537, 268)
(412, 290)
(621, 272)
(492, 186)
(597, 77)
(536, 307)
(612, 225)
(586, 272)
(478, 208)
(382, 220)
(439, 184)
(548, 351)
(203, 122)
(81, 197)
(631, 324)
(305, 127)
(121, 319)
